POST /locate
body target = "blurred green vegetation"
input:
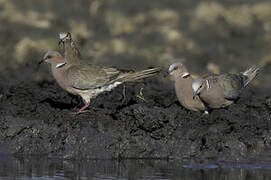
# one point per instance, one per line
(208, 36)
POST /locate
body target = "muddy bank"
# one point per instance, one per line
(36, 119)
(207, 36)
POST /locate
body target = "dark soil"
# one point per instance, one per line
(36, 119)
(35, 113)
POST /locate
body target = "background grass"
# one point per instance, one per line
(208, 36)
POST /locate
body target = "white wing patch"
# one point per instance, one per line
(111, 86)
(208, 84)
(59, 65)
(97, 91)
(185, 75)
(108, 88)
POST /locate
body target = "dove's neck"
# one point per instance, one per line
(59, 70)
(183, 87)
(71, 53)
(184, 92)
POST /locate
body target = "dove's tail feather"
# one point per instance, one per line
(132, 76)
(250, 74)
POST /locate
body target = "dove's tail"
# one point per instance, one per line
(132, 76)
(250, 74)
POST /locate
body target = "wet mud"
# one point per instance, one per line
(36, 114)
(36, 118)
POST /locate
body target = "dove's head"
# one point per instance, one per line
(54, 58)
(197, 86)
(178, 70)
(63, 37)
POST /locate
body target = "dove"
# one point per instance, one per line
(71, 52)
(88, 81)
(218, 91)
(183, 88)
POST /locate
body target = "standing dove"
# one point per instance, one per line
(71, 52)
(218, 91)
(88, 81)
(183, 88)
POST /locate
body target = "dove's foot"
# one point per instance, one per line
(82, 110)
(79, 112)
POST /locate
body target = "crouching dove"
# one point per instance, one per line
(88, 81)
(183, 88)
(218, 91)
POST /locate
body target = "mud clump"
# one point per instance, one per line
(36, 119)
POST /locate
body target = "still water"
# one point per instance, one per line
(39, 168)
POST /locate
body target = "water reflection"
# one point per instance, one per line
(43, 168)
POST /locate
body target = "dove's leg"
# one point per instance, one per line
(86, 101)
(82, 109)
(81, 102)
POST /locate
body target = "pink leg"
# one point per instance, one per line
(82, 109)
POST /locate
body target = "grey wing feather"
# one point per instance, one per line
(90, 77)
(232, 85)
(209, 76)
(232, 95)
